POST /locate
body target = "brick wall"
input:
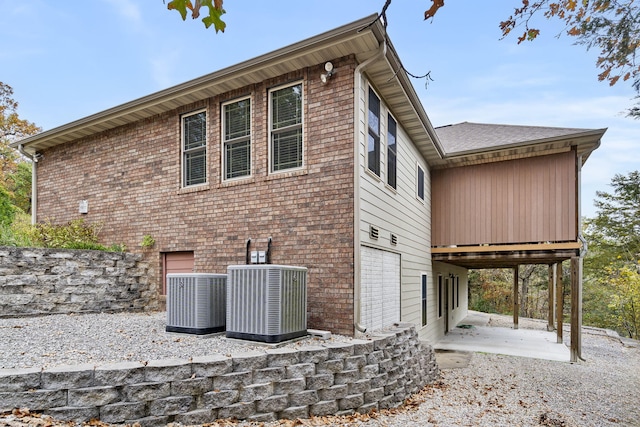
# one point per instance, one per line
(131, 179)
(43, 281)
(334, 378)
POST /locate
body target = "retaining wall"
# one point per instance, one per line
(329, 379)
(44, 281)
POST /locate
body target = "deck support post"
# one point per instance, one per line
(550, 303)
(516, 305)
(559, 302)
(576, 309)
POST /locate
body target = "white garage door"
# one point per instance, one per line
(380, 288)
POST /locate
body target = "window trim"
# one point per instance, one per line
(205, 147)
(440, 290)
(224, 141)
(419, 169)
(424, 298)
(393, 185)
(287, 128)
(377, 142)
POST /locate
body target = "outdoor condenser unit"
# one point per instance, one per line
(266, 302)
(196, 303)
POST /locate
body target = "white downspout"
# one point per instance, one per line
(357, 86)
(34, 183)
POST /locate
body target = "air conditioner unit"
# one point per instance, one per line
(266, 302)
(196, 303)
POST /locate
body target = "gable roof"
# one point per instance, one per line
(361, 38)
(470, 143)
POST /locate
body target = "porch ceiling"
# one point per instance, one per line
(506, 256)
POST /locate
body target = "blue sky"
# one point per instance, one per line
(68, 60)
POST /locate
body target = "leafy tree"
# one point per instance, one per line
(614, 234)
(612, 26)
(19, 186)
(625, 300)
(15, 173)
(612, 266)
(7, 210)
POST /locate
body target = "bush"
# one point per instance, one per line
(19, 233)
(7, 210)
(76, 234)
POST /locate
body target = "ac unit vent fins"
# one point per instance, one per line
(196, 303)
(394, 239)
(373, 232)
(266, 302)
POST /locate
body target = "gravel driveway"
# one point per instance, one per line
(492, 390)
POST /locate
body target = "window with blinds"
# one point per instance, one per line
(373, 142)
(285, 106)
(194, 148)
(236, 131)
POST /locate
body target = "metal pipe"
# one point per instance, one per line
(34, 182)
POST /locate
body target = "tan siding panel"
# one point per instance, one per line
(516, 201)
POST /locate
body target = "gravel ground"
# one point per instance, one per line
(493, 390)
(62, 339)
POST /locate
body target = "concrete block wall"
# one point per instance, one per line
(37, 281)
(328, 379)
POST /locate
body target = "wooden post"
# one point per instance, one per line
(516, 305)
(559, 302)
(551, 323)
(576, 309)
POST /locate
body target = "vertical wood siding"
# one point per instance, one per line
(517, 201)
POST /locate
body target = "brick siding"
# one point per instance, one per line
(131, 178)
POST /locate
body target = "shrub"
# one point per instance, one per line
(69, 236)
(7, 210)
(19, 233)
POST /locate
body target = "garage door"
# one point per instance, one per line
(175, 262)
(380, 288)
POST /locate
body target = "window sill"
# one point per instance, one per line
(237, 181)
(194, 189)
(287, 174)
(372, 174)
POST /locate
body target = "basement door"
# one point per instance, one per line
(379, 288)
(175, 262)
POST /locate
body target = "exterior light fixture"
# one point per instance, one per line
(324, 77)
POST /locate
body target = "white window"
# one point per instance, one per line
(440, 297)
(373, 140)
(420, 183)
(424, 298)
(236, 137)
(194, 148)
(285, 117)
(392, 150)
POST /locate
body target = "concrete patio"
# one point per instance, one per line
(473, 334)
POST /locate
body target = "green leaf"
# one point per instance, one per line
(180, 6)
(214, 17)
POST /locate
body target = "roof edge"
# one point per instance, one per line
(168, 93)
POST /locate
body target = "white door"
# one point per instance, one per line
(379, 288)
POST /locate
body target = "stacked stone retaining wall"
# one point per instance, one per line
(36, 281)
(328, 379)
